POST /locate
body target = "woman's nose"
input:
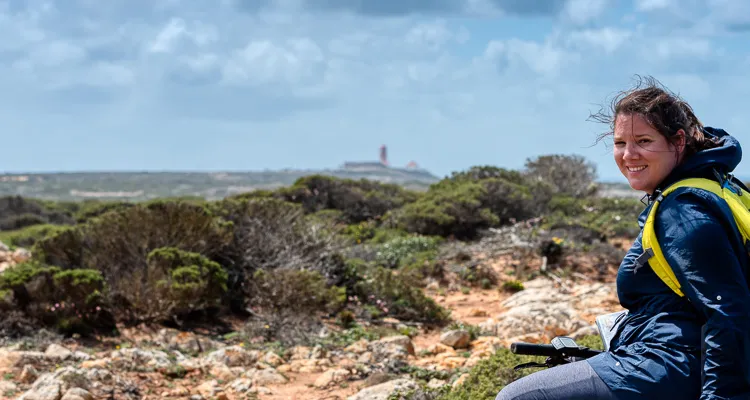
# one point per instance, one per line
(631, 152)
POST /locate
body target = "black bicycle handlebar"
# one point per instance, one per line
(549, 350)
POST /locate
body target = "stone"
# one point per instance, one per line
(439, 348)
(265, 377)
(457, 339)
(392, 347)
(234, 356)
(130, 358)
(57, 352)
(273, 359)
(209, 389)
(77, 394)
(384, 390)
(330, 377)
(29, 374)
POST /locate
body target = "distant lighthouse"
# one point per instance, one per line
(383, 155)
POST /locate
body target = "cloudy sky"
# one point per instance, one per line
(270, 84)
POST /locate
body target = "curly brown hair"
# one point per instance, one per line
(664, 110)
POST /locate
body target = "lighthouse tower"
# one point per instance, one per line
(383, 155)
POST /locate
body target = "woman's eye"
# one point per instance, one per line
(644, 141)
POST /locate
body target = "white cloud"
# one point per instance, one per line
(516, 55)
(583, 11)
(607, 39)
(264, 62)
(168, 36)
(434, 35)
(733, 15)
(651, 5)
(679, 48)
(176, 30)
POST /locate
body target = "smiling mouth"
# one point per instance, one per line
(637, 169)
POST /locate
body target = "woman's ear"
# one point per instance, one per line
(681, 141)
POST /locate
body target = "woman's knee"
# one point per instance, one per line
(516, 390)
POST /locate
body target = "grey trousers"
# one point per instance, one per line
(576, 380)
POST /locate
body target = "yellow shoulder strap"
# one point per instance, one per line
(738, 203)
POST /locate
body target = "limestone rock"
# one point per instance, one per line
(57, 352)
(263, 377)
(457, 339)
(52, 386)
(234, 356)
(330, 377)
(383, 390)
(392, 347)
(131, 358)
(77, 394)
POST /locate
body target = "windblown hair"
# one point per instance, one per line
(663, 110)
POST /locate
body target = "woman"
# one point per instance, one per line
(656, 353)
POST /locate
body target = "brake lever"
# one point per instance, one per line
(529, 365)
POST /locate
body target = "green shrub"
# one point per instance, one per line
(286, 305)
(570, 175)
(358, 200)
(393, 252)
(28, 236)
(91, 209)
(477, 275)
(612, 217)
(481, 172)
(361, 232)
(269, 234)
(510, 202)
(513, 286)
(17, 212)
(462, 207)
(448, 209)
(420, 266)
(118, 243)
(183, 282)
(299, 290)
(73, 300)
(490, 375)
(391, 295)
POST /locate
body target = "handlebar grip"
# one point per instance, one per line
(548, 350)
(532, 349)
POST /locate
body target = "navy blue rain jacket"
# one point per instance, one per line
(656, 353)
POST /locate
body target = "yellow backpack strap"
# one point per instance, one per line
(735, 197)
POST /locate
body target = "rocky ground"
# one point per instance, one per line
(157, 363)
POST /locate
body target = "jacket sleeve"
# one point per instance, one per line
(699, 239)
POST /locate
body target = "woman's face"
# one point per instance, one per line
(644, 156)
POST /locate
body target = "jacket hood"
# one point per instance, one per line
(723, 159)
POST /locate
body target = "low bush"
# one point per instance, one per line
(477, 275)
(612, 217)
(386, 293)
(393, 252)
(181, 282)
(28, 236)
(462, 207)
(358, 200)
(17, 212)
(450, 209)
(72, 300)
(117, 245)
(287, 304)
(269, 234)
(419, 267)
(569, 175)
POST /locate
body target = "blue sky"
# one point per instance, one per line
(272, 84)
